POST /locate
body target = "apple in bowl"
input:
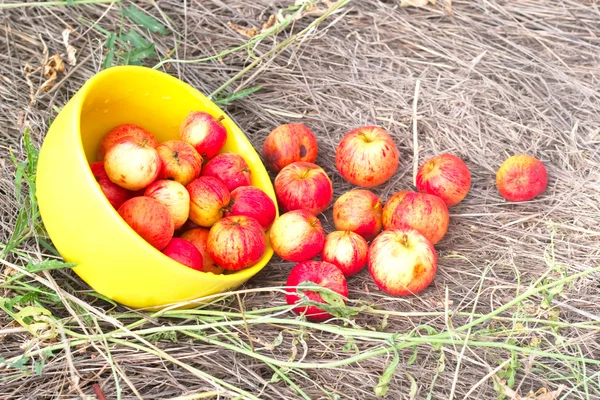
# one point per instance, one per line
(180, 161)
(236, 242)
(231, 168)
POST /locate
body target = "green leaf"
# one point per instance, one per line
(413, 386)
(413, 357)
(385, 378)
(137, 55)
(110, 56)
(39, 366)
(20, 363)
(278, 340)
(334, 302)
(145, 20)
(47, 265)
(136, 40)
(223, 101)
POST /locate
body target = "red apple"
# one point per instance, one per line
(150, 219)
(252, 202)
(184, 253)
(303, 186)
(132, 164)
(402, 261)
(236, 242)
(346, 250)
(229, 167)
(138, 134)
(424, 212)
(208, 199)
(521, 178)
(115, 194)
(367, 156)
(445, 176)
(180, 160)
(173, 195)
(289, 143)
(297, 236)
(321, 273)
(358, 211)
(205, 132)
(199, 237)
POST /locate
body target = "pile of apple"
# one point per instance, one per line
(186, 188)
(401, 257)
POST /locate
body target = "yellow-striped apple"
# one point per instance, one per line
(367, 156)
(115, 194)
(521, 178)
(137, 133)
(132, 164)
(346, 250)
(180, 161)
(321, 273)
(402, 261)
(252, 202)
(208, 199)
(199, 237)
(303, 186)
(289, 143)
(150, 219)
(184, 253)
(173, 195)
(297, 236)
(445, 176)
(358, 211)
(229, 167)
(203, 131)
(421, 211)
(236, 242)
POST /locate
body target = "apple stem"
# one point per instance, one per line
(221, 118)
(404, 239)
(143, 143)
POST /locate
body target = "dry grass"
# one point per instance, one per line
(495, 78)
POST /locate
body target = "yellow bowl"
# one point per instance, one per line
(86, 230)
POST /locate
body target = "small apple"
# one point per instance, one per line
(236, 242)
(252, 202)
(180, 160)
(150, 219)
(303, 186)
(138, 134)
(173, 195)
(402, 261)
(346, 250)
(199, 237)
(321, 273)
(184, 253)
(297, 236)
(421, 211)
(445, 176)
(115, 194)
(367, 156)
(521, 178)
(358, 211)
(132, 164)
(229, 167)
(289, 143)
(203, 131)
(208, 199)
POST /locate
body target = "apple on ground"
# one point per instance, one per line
(367, 156)
(150, 219)
(402, 261)
(138, 134)
(421, 211)
(346, 250)
(289, 143)
(180, 161)
(521, 178)
(199, 238)
(297, 236)
(229, 167)
(132, 164)
(173, 195)
(445, 176)
(303, 186)
(203, 131)
(252, 202)
(358, 211)
(115, 194)
(184, 253)
(321, 273)
(236, 242)
(208, 199)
